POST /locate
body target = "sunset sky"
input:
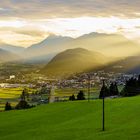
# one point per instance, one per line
(25, 22)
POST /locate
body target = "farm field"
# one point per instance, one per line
(79, 120)
(69, 91)
(11, 95)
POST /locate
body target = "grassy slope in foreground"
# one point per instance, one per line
(74, 121)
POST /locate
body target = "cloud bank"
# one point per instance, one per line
(31, 20)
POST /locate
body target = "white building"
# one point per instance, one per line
(12, 77)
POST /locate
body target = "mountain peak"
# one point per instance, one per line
(53, 36)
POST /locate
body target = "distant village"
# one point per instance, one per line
(74, 81)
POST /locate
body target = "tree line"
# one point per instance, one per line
(131, 88)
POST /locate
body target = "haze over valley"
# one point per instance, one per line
(109, 47)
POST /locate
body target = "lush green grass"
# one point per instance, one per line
(74, 121)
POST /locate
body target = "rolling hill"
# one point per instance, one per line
(80, 120)
(74, 61)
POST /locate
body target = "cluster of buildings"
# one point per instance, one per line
(8, 85)
(75, 81)
(94, 79)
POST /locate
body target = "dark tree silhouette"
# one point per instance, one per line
(113, 89)
(104, 91)
(8, 106)
(72, 98)
(132, 87)
(23, 104)
(81, 95)
(23, 95)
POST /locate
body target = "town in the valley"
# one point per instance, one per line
(41, 88)
(74, 81)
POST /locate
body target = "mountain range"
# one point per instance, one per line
(64, 55)
(108, 44)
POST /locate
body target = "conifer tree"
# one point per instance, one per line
(104, 91)
(113, 89)
(81, 95)
(8, 106)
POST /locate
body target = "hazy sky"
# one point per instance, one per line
(25, 22)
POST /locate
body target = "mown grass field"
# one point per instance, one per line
(79, 120)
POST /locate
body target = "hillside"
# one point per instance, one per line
(127, 65)
(6, 56)
(74, 121)
(74, 61)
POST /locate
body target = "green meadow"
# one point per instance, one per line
(79, 120)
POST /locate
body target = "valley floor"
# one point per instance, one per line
(79, 120)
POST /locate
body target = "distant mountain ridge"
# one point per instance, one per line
(11, 48)
(6, 56)
(51, 40)
(113, 45)
(48, 46)
(107, 44)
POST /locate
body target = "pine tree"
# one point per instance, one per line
(104, 91)
(8, 106)
(131, 87)
(81, 95)
(113, 89)
(116, 90)
(139, 80)
(72, 98)
(23, 95)
(23, 104)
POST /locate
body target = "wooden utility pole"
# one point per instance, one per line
(103, 114)
(88, 88)
(103, 125)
